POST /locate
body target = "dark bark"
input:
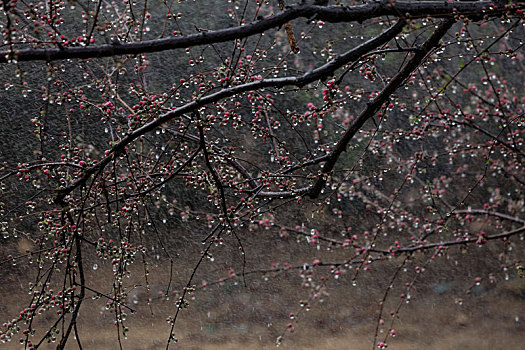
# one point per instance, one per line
(375, 104)
(323, 71)
(333, 14)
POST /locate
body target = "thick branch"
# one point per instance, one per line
(332, 14)
(371, 109)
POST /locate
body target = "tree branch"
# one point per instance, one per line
(316, 74)
(333, 14)
(490, 213)
(371, 109)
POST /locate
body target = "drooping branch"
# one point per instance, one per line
(80, 296)
(314, 75)
(216, 179)
(333, 14)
